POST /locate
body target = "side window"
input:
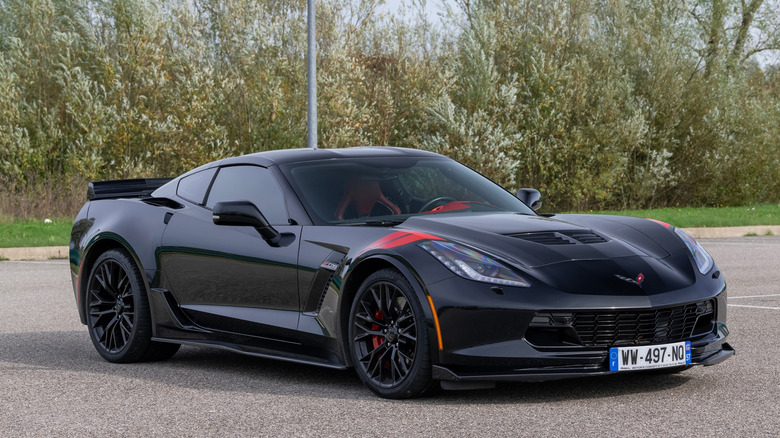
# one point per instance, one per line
(193, 187)
(254, 184)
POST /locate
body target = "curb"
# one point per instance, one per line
(61, 252)
(721, 232)
(36, 253)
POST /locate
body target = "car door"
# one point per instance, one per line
(228, 277)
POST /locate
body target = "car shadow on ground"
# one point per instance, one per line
(219, 370)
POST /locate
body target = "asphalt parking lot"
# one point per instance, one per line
(53, 383)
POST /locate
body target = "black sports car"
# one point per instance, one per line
(403, 264)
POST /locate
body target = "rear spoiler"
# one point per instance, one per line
(124, 188)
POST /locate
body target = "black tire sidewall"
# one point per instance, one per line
(418, 380)
(140, 336)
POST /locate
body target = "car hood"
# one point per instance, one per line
(577, 253)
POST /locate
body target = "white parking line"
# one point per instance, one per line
(754, 307)
(755, 296)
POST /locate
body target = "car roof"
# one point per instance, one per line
(285, 156)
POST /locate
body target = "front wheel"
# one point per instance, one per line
(118, 314)
(389, 337)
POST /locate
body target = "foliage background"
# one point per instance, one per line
(598, 103)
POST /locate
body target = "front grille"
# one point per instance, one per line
(561, 237)
(671, 324)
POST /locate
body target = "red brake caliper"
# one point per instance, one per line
(376, 339)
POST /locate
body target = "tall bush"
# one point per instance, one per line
(597, 103)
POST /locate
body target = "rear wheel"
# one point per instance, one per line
(118, 314)
(389, 337)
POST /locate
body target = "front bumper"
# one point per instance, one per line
(486, 334)
(560, 365)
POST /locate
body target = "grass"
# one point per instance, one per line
(768, 233)
(30, 233)
(764, 214)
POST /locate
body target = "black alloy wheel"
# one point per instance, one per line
(118, 314)
(389, 337)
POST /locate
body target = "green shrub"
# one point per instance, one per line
(598, 104)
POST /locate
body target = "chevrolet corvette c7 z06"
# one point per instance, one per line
(404, 265)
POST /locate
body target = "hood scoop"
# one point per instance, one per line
(576, 237)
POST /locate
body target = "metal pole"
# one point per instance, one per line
(311, 77)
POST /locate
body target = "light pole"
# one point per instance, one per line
(311, 77)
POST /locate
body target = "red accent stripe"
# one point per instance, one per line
(390, 237)
(659, 222)
(400, 238)
(409, 238)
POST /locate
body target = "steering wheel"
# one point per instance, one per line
(429, 205)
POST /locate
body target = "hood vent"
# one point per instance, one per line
(561, 237)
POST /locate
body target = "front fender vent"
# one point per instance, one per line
(317, 291)
(561, 237)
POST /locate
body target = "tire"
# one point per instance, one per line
(388, 337)
(118, 315)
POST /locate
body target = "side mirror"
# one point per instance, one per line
(244, 213)
(531, 198)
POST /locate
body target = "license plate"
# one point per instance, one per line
(650, 356)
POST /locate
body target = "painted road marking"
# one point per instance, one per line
(754, 307)
(755, 296)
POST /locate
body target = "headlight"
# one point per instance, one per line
(472, 264)
(703, 260)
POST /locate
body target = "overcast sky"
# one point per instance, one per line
(433, 7)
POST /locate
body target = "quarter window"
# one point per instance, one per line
(193, 187)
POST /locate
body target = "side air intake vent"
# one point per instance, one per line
(317, 291)
(561, 237)
(322, 283)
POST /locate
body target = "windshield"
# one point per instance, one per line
(390, 190)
